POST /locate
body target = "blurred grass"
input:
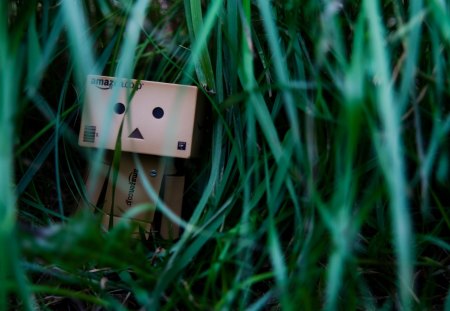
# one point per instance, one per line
(325, 184)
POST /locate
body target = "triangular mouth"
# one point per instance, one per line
(136, 134)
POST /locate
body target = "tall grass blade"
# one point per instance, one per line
(79, 37)
(281, 71)
(58, 131)
(200, 32)
(391, 153)
(440, 10)
(10, 261)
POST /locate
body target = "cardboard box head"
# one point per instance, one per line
(156, 118)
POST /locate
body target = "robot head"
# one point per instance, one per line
(156, 118)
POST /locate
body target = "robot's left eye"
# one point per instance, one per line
(119, 108)
(158, 112)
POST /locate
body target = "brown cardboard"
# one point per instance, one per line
(130, 190)
(94, 185)
(160, 119)
(173, 197)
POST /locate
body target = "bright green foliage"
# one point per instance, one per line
(324, 186)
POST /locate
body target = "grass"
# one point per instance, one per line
(324, 184)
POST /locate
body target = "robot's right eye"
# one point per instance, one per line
(119, 108)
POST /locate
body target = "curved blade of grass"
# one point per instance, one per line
(48, 126)
(58, 131)
(261, 303)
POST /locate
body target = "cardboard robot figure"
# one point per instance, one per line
(155, 121)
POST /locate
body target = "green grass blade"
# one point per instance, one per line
(391, 154)
(281, 71)
(200, 32)
(440, 10)
(274, 248)
(412, 46)
(58, 131)
(10, 268)
(81, 42)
